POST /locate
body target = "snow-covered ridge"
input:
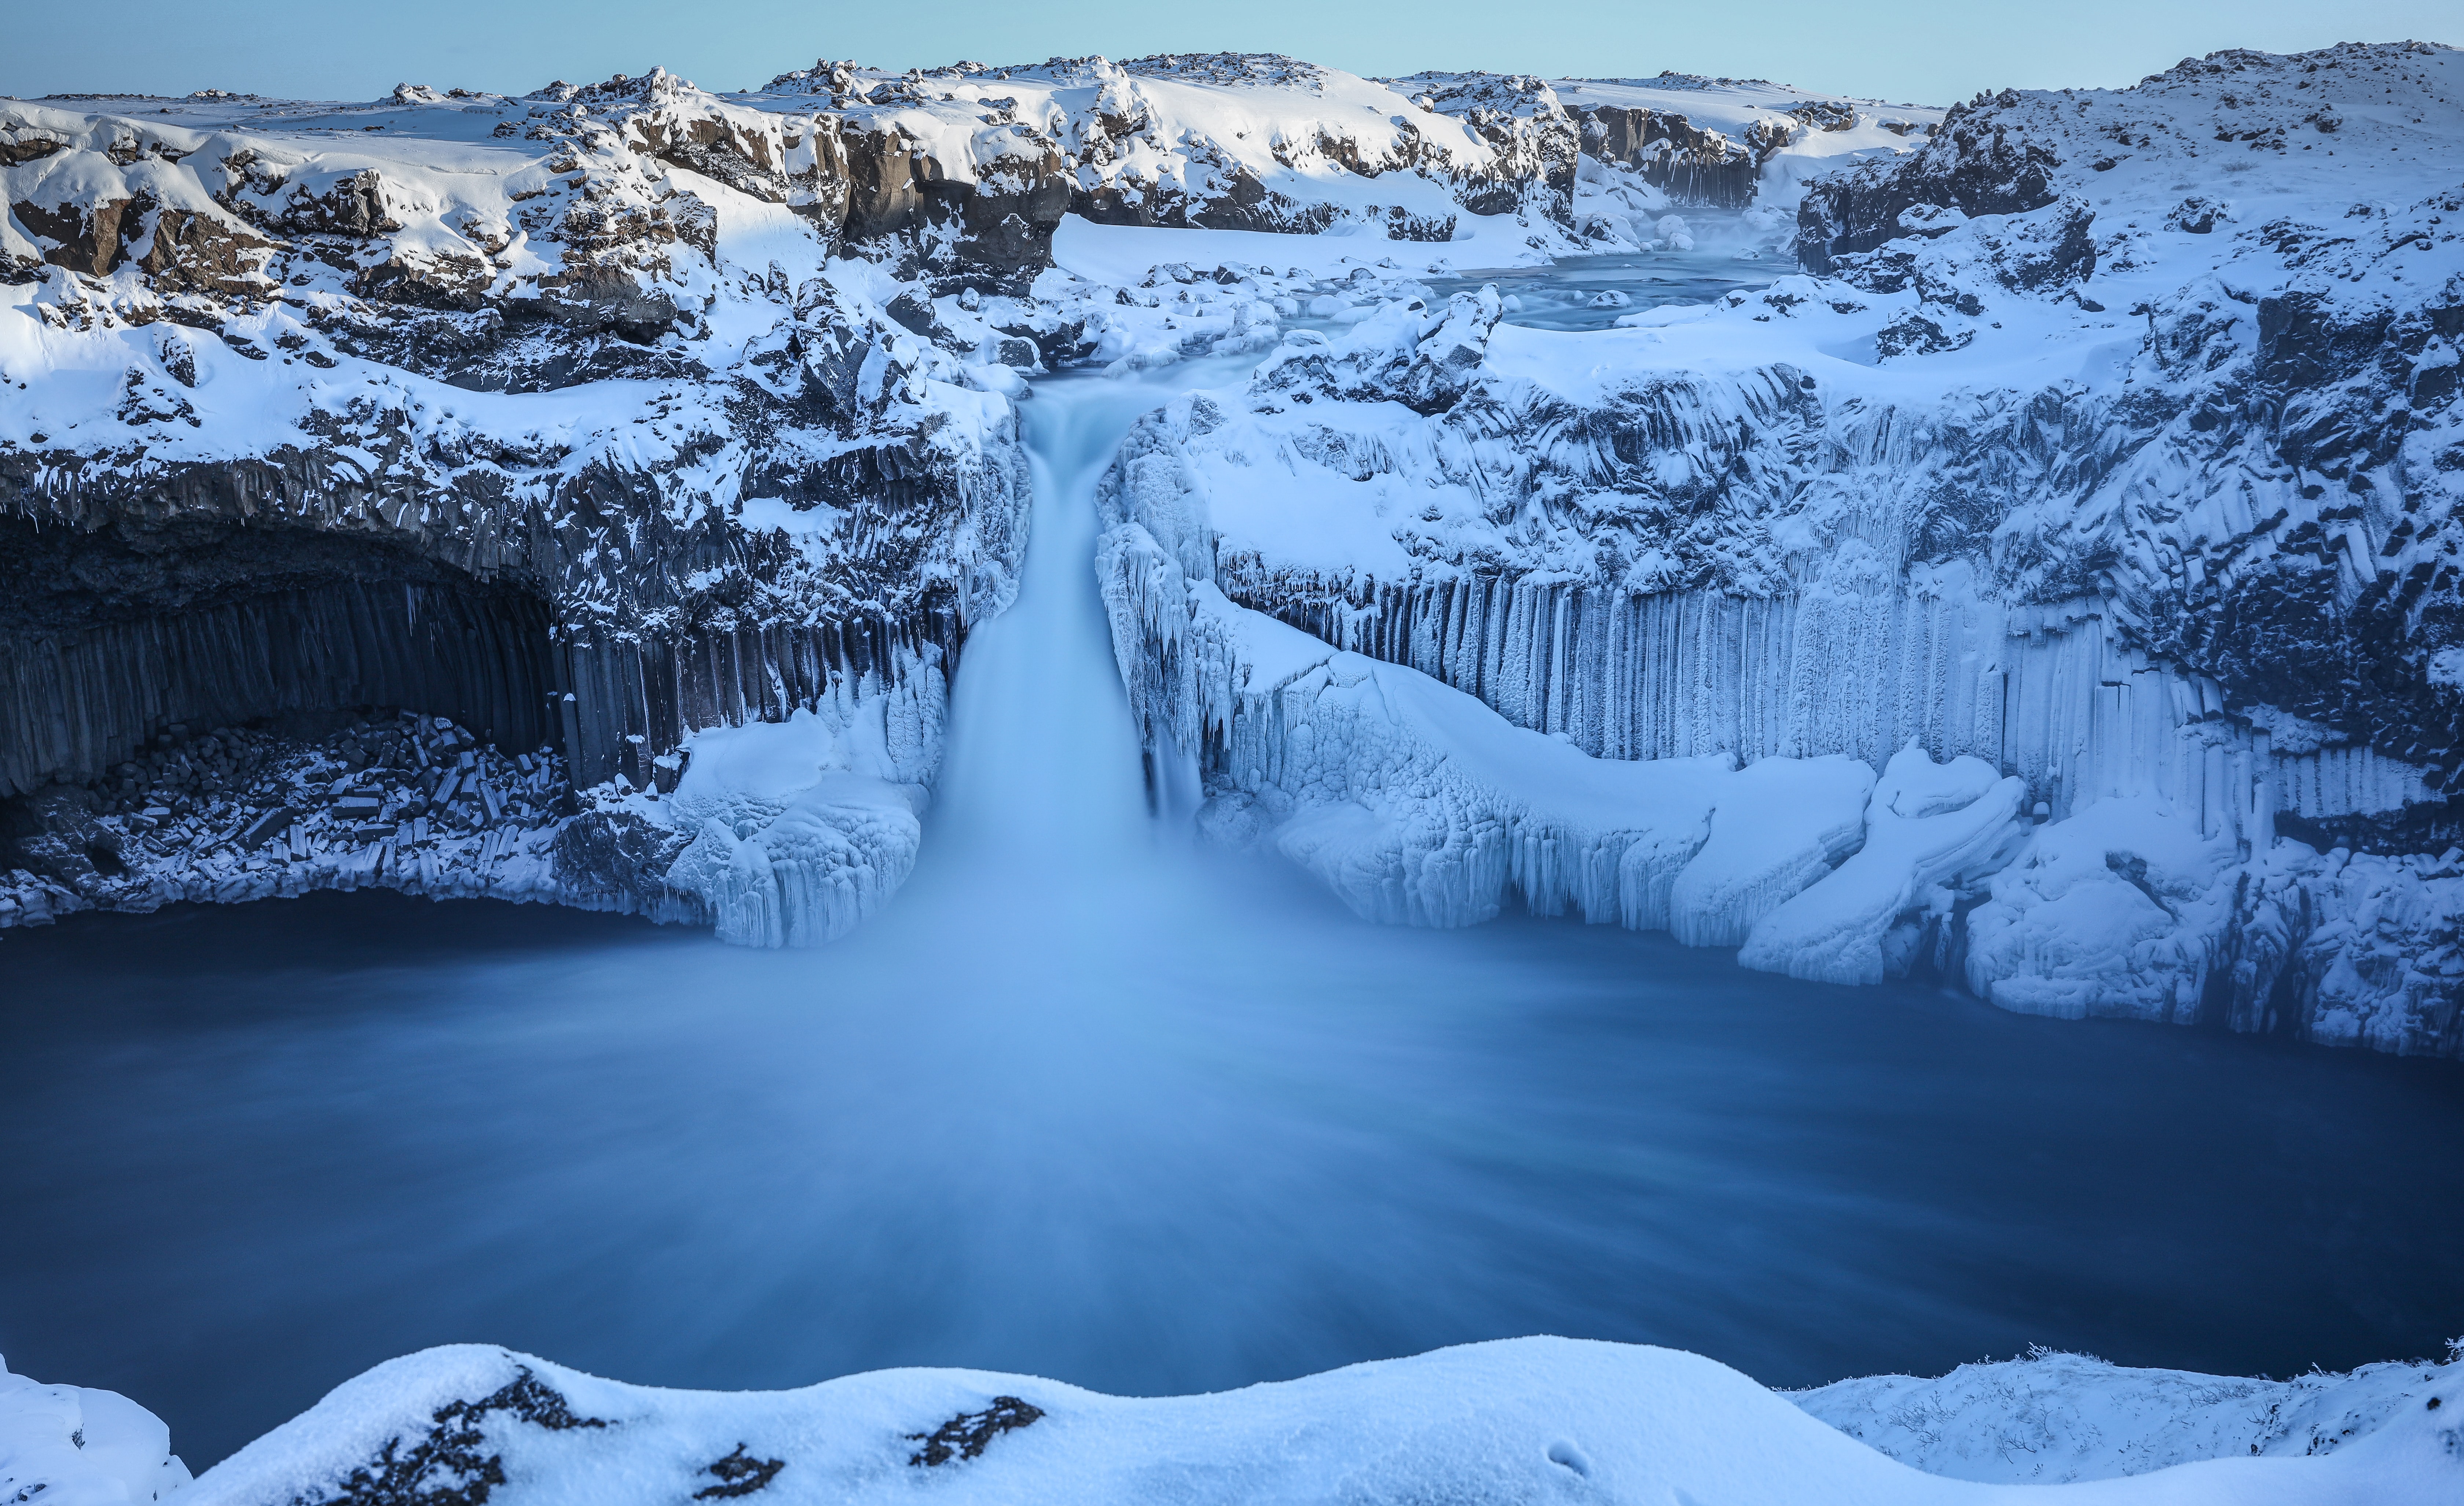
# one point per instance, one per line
(2147, 511)
(694, 407)
(1526, 1419)
(560, 416)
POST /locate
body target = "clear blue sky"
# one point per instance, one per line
(1926, 54)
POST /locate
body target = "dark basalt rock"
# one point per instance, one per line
(453, 1464)
(739, 1474)
(1970, 163)
(966, 1435)
(617, 860)
(1692, 166)
(1912, 334)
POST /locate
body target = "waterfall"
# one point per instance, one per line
(1044, 805)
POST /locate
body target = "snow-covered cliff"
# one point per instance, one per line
(593, 420)
(493, 410)
(2139, 495)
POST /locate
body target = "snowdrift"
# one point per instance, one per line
(1517, 1420)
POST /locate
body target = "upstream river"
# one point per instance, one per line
(1087, 1105)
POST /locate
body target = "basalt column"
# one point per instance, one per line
(103, 646)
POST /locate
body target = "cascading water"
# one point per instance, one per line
(1041, 830)
(1043, 762)
(1083, 1104)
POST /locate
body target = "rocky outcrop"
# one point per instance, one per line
(1692, 166)
(985, 161)
(599, 533)
(2192, 590)
(1520, 117)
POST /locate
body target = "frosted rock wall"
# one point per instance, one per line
(77, 700)
(1417, 805)
(2051, 694)
(1672, 543)
(2157, 895)
(781, 830)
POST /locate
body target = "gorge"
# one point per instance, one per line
(1005, 525)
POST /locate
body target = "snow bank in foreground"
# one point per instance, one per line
(2055, 1418)
(68, 1446)
(1520, 1420)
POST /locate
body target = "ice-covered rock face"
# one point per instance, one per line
(611, 414)
(571, 418)
(2057, 472)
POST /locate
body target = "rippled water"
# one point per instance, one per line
(1086, 1105)
(1593, 292)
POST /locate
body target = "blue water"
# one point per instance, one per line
(1085, 1104)
(1568, 294)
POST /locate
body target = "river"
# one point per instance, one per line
(1087, 1104)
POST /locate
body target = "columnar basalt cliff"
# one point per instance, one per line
(596, 418)
(500, 411)
(2138, 496)
(2105, 447)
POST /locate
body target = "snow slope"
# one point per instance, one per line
(2052, 1418)
(1518, 1420)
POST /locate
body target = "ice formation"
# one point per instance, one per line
(606, 417)
(2182, 573)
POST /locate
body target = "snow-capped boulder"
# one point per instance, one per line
(79, 1447)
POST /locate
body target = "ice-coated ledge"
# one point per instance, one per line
(777, 834)
(1418, 804)
(1514, 1420)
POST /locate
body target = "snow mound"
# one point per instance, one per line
(1513, 1420)
(1925, 825)
(72, 1446)
(2055, 1418)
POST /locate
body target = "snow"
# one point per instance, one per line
(799, 828)
(1515, 1420)
(75, 1446)
(2052, 1418)
(1924, 825)
(1123, 255)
